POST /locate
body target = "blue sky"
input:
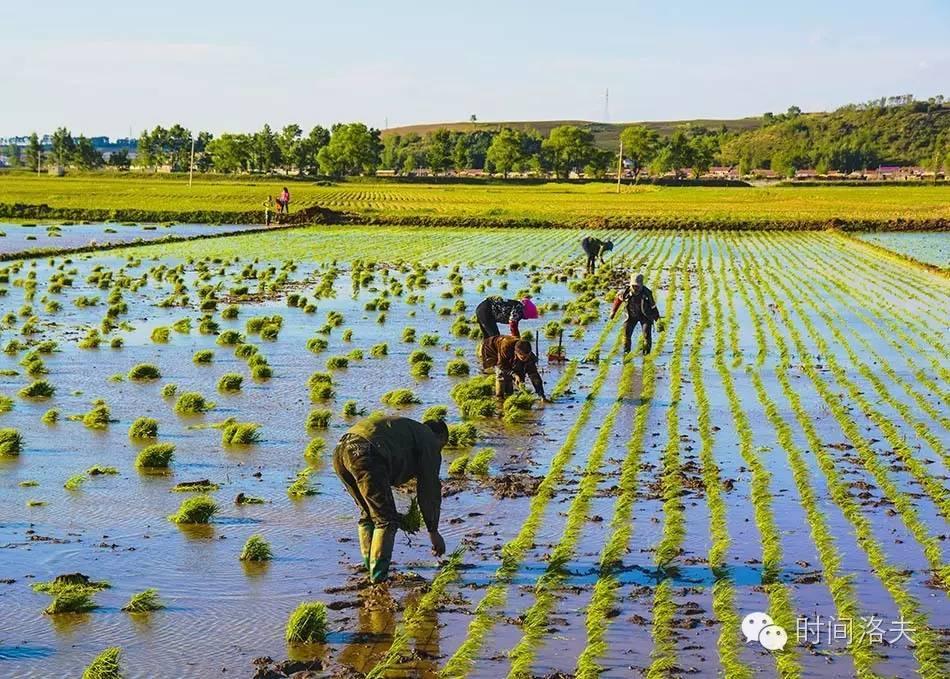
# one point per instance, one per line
(103, 67)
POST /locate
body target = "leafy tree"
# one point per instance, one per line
(85, 154)
(231, 153)
(505, 151)
(120, 159)
(310, 147)
(569, 148)
(63, 147)
(266, 152)
(702, 151)
(353, 149)
(291, 146)
(14, 157)
(676, 155)
(439, 150)
(34, 151)
(640, 146)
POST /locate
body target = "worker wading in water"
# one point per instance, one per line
(641, 309)
(595, 249)
(512, 361)
(378, 453)
(494, 310)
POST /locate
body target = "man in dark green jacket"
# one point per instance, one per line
(378, 453)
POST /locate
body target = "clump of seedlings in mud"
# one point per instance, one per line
(144, 602)
(314, 449)
(437, 413)
(105, 665)
(319, 418)
(144, 371)
(143, 428)
(203, 356)
(517, 406)
(475, 397)
(457, 367)
(230, 382)
(51, 416)
(307, 624)
(337, 362)
(301, 486)
(169, 390)
(72, 593)
(155, 456)
(240, 433)
(41, 389)
(380, 350)
(192, 403)
(400, 397)
(195, 510)
(98, 417)
(256, 549)
(352, 409)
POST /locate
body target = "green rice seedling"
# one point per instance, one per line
(241, 433)
(421, 369)
(41, 389)
(71, 599)
(400, 397)
(230, 382)
(243, 499)
(435, 413)
(117, 377)
(517, 405)
(105, 665)
(319, 378)
(411, 521)
(208, 326)
(155, 456)
(230, 312)
(75, 482)
(99, 416)
(245, 351)
(347, 335)
(91, 340)
(51, 416)
(256, 549)
(314, 449)
(459, 465)
(337, 362)
(429, 340)
(182, 326)
(201, 486)
(144, 371)
(116, 343)
(192, 403)
(261, 372)
(409, 335)
(355, 355)
(462, 435)
(301, 486)
(161, 334)
(316, 344)
(144, 602)
(322, 392)
(143, 428)
(254, 324)
(100, 470)
(457, 368)
(478, 464)
(307, 624)
(203, 356)
(419, 356)
(319, 418)
(352, 409)
(35, 503)
(14, 346)
(29, 483)
(169, 390)
(379, 350)
(270, 332)
(6, 403)
(475, 397)
(195, 510)
(230, 338)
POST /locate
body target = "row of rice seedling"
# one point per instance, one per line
(904, 504)
(926, 646)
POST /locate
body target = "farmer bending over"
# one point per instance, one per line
(494, 310)
(512, 361)
(641, 308)
(378, 453)
(595, 248)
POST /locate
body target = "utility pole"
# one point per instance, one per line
(191, 167)
(620, 166)
(39, 161)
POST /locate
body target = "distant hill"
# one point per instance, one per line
(606, 135)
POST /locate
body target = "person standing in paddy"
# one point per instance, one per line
(284, 202)
(641, 309)
(595, 248)
(494, 310)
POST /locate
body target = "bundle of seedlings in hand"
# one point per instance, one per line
(144, 428)
(155, 456)
(41, 389)
(256, 549)
(144, 602)
(144, 371)
(195, 510)
(192, 403)
(307, 624)
(230, 382)
(240, 433)
(105, 665)
(400, 397)
(411, 521)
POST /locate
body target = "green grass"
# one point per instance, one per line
(307, 624)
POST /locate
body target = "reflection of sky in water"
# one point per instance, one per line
(929, 247)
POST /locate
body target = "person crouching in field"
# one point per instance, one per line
(378, 453)
(494, 310)
(283, 202)
(641, 309)
(513, 362)
(595, 249)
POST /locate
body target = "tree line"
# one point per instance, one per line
(896, 130)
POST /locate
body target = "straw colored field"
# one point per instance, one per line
(566, 204)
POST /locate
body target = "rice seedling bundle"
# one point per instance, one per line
(256, 549)
(192, 403)
(144, 371)
(144, 602)
(155, 456)
(195, 510)
(241, 433)
(307, 624)
(400, 397)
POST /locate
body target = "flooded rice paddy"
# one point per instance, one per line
(930, 248)
(784, 449)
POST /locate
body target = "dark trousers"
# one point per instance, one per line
(486, 321)
(591, 263)
(630, 326)
(365, 477)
